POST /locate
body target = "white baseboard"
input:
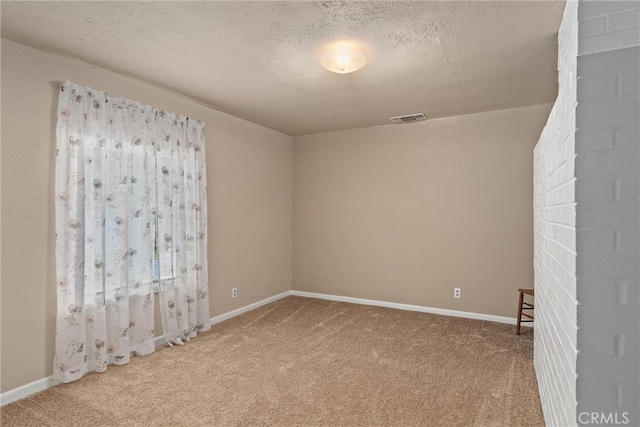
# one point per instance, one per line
(229, 315)
(27, 390)
(422, 309)
(45, 383)
(157, 341)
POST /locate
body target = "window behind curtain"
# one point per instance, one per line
(130, 211)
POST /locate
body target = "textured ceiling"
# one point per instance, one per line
(260, 60)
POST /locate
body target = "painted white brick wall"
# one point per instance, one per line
(587, 223)
(607, 217)
(607, 25)
(555, 341)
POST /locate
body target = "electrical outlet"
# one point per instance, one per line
(456, 293)
(234, 292)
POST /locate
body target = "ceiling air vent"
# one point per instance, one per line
(409, 118)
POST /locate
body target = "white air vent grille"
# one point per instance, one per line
(409, 118)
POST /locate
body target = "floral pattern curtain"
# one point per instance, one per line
(130, 218)
(182, 228)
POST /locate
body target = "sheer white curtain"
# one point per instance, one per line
(130, 213)
(182, 228)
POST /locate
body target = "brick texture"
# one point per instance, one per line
(587, 222)
(608, 186)
(555, 343)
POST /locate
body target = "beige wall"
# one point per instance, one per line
(249, 182)
(399, 213)
(405, 213)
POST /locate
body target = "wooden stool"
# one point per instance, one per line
(522, 305)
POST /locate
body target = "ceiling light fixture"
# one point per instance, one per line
(343, 61)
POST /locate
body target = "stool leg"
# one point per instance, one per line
(519, 313)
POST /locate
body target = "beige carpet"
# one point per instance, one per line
(308, 362)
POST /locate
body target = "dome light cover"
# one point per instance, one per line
(343, 61)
